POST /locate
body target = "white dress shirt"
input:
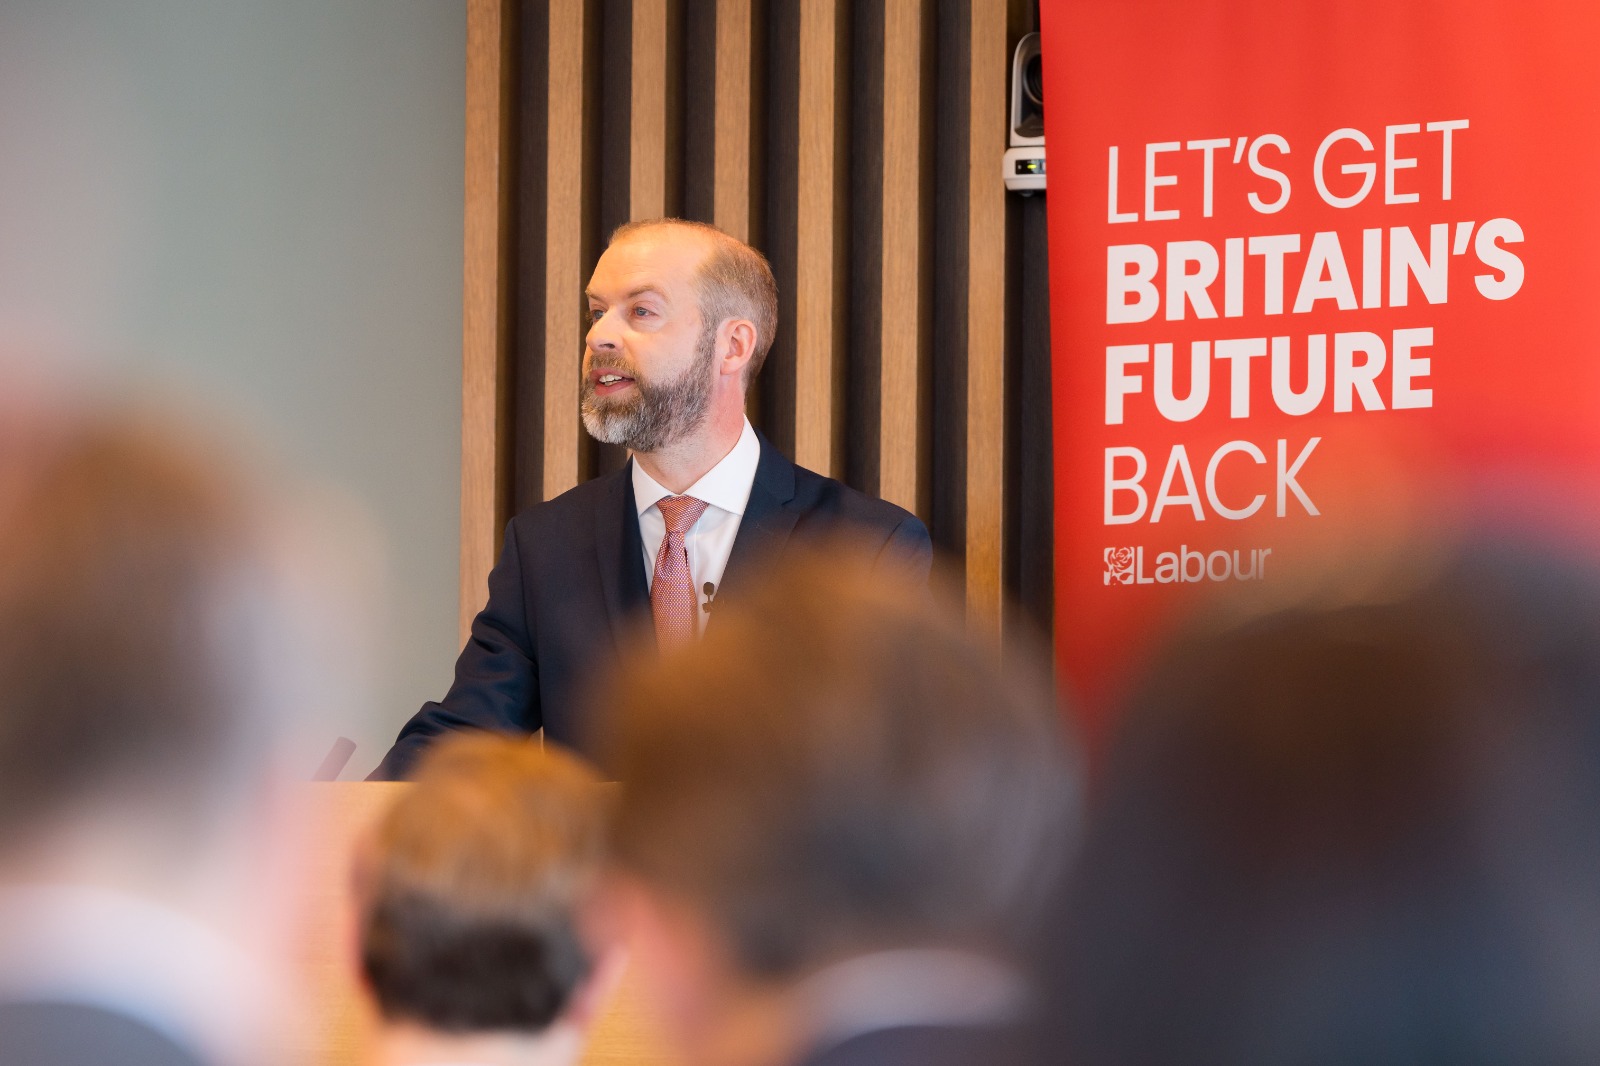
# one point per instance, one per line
(726, 490)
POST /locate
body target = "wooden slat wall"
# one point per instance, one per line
(730, 180)
(816, 263)
(485, 303)
(986, 269)
(857, 143)
(901, 254)
(564, 269)
(647, 132)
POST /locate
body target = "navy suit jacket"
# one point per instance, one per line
(570, 589)
(72, 1034)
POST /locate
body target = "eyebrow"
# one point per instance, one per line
(588, 294)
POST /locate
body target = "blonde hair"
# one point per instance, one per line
(470, 887)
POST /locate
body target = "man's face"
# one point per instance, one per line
(647, 361)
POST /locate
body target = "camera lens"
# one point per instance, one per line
(1033, 80)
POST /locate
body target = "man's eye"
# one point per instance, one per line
(596, 314)
(642, 312)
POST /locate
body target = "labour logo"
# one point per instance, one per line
(1119, 566)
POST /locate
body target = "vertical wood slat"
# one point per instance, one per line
(485, 303)
(899, 414)
(815, 266)
(563, 246)
(730, 197)
(986, 220)
(647, 126)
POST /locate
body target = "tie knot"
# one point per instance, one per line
(681, 512)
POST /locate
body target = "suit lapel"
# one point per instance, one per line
(767, 521)
(620, 553)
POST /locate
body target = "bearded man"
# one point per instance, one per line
(681, 318)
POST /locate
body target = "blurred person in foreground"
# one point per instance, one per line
(155, 649)
(838, 815)
(474, 893)
(1361, 828)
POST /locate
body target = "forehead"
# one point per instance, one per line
(666, 260)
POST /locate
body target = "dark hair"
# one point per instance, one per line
(470, 888)
(735, 282)
(1358, 831)
(839, 766)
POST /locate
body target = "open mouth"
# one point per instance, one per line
(606, 382)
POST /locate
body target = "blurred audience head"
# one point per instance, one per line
(165, 611)
(1356, 829)
(839, 769)
(474, 891)
(157, 623)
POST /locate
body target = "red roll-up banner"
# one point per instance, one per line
(1314, 268)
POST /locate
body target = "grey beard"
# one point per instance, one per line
(657, 415)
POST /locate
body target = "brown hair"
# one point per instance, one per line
(735, 282)
(1357, 827)
(838, 766)
(471, 885)
(138, 603)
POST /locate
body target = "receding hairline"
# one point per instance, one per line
(733, 281)
(713, 236)
(718, 245)
(712, 240)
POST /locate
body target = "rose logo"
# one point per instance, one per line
(1119, 566)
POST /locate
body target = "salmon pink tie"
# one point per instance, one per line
(672, 598)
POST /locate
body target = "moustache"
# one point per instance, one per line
(613, 366)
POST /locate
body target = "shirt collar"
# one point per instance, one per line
(909, 987)
(726, 485)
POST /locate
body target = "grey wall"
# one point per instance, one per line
(258, 204)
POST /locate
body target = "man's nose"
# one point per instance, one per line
(602, 335)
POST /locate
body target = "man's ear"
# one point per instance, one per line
(591, 997)
(602, 927)
(736, 345)
(356, 902)
(676, 962)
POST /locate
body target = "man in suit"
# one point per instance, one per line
(681, 318)
(839, 820)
